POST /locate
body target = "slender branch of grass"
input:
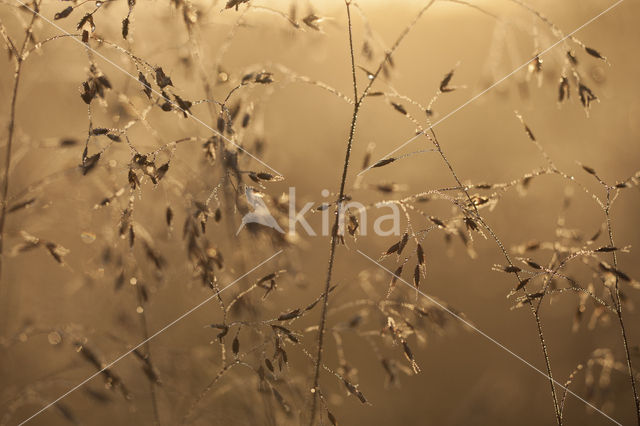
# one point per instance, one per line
(5, 179)
(615, 297)
(147, 354)
(205, 391)
(536, 316)
(5, 300)
(494, 236)
(534, 311)
(334, 234)
(336, 224)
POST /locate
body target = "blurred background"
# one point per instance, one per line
(51, 307)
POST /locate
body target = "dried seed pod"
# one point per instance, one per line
(523, 283)
(312, 21)
(147, 88)
(444, 84)
(89, 163)
(132, 177)
(161, 171)
(289, 315)
(169, 216)
(269, 365)
(526, 128)
(409, 355)
(235, 346)
(470, 224)
(563, 89)
(420, 254)
(332, 418)
(286, 332)
(399, 108)
(63, 13)
(586, 96)
(437, 221)
(235, 3)
(605, 249)
(264, 177)
(594, 53)
(184, 105)
(403, 242)
(264, 77)
(86, 19)
(21, 205)
(132, 236)
(89, 92)
(532, 264)
(394, 248)
(245, 120)
(162, 80)
(125, 28)
(383, 162)
(57, 251)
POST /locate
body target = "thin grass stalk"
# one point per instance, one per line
(615, 297)
(19, 57)
(336, 225)
(147, 354)
(534, 311)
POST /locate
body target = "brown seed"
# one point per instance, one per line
(533, 264)
(594, 53)
(169, 216)
(63, 13)
(444, 84)
(147, 88)
(269, 365)
(420, 254)
(383, 162)
(437, 221)
(290, 315)
(312, 21)
(332, 418)
(523, 283)
(125, 28)
(586, 95)
(606, 249)
(90, 163)
(235, 346)
(403, 242)
(563, 89)
(399, 108)
(589, 170)
(162, 79)
(394, 248)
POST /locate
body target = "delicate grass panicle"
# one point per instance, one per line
(173, 153)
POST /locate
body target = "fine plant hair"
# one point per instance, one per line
(165, 168)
